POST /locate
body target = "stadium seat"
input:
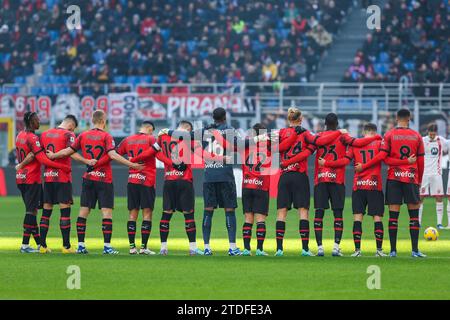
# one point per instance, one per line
(11, 89)
(410, 66)
(20, 80)
(120, 79)
(383, 57)
(165, 34)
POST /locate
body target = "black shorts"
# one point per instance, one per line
(178, 195)
(255, 201)
(373, 200)
(326, 192)
(401, 192)
(93, 191)
(293, 190)
(140, 196)
(58, 192)
(220, 194)
(32, 196)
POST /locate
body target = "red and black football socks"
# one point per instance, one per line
(107, 230)
(260, 234)
(29, 222)
(189, 226)
(280, 227)
(338, 226)
(379, 234)
(393, 229)
(414, 228)
(164, 226)
(318, 226)
(357, 234)
(44, 225)
(146, 229)
(65, 226)
(35, 230)
(247, 234)
(304, 234)
(131, 229)
(81, 229)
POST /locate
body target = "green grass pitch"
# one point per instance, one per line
(179, 276)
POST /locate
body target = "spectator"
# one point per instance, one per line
(269, 70)
(133, 37)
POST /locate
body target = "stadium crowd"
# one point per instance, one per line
(169, 40)
(413, 43)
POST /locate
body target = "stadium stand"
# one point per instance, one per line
(413, 43)
(167, 41)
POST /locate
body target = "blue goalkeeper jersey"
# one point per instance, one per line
(217, 171)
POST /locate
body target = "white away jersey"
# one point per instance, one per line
(433, 154)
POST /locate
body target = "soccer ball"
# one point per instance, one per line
(431, 234)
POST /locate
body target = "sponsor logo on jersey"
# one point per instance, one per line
(330, 175)
(254, 181)
(434, 151)
(21, 176)
(174, 173)
(404, 174)
(367, 183)
(213, 165)
(99, 174)
(51, 174)
(137, 176)
(291, 167)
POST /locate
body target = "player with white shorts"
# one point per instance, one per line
(432, 184)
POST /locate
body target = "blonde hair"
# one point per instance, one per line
(294, 115)
(98, 116)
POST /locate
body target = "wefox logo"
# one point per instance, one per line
(291, 167)
(368, 182)
(254, 181)
(51, 174)
(330, 175)
(174, 173)
(98, 174)
(404, 174)
(137, 176)
(21, 176)
(214, 165)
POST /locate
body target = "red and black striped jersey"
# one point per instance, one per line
(133, 146)
(400, 143)
(369, 179)
(177, 150)
(55, 140)
(27, 142)
(94, 144)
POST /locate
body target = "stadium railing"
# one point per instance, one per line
(274, 95)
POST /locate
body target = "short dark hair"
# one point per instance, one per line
(187, 123)
(372, 127)
(219, 114)
(148, 123)
(258, 127)
(27, 118)
(331, 121)
(432, 127)
(403, 114)
(71, 117)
